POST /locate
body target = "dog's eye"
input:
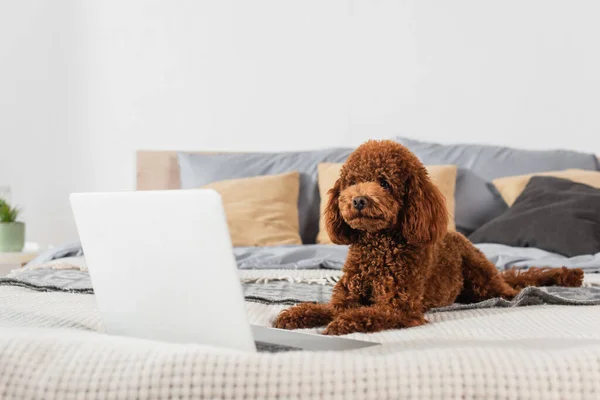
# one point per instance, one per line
(384, 184)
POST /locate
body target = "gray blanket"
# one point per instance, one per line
(333, 257)
(284, 292)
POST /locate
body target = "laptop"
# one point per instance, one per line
(162, 268)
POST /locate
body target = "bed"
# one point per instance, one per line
(543, 344)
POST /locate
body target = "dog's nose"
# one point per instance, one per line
(359, 202)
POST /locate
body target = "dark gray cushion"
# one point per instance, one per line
(201, 169)
(552, 214)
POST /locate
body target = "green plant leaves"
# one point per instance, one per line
(8, 213)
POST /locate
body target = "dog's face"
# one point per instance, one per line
(384, 187)
(371, 197)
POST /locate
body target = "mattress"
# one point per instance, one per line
(52, 347)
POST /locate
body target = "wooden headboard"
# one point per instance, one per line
(159, 170)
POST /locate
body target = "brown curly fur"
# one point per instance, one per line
(401, 260)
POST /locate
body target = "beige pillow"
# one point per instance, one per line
(262, 210)
(443, 176)
(511, 187)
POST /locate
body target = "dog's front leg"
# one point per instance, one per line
(311, 315)
(346, 293)
(392, 309)
(304, 315)
(372, 319)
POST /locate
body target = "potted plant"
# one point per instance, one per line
(12, 232)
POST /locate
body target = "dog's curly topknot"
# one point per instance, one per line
(402, 261)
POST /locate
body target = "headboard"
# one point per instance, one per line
(159, 170)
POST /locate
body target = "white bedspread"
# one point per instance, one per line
(50, 349)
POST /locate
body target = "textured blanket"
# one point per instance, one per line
(287, 290)
(51, 347)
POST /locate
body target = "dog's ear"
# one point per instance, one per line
(339, 231)
(425, 216)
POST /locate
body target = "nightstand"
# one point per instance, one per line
(10, 261)
(19, 259)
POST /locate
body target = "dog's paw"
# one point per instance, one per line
(571, 277)
(305, 315)
(353, 323)
(337, 327)
(286, 320)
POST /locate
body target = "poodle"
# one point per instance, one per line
(402, 261)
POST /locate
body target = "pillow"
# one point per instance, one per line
(443, 176)
(491, 162)
(552, 214)
(477, 202)
(200, 169)
(261, 211)
(512, 186)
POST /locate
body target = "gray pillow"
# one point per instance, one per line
(477, 201)
(491, 162)
(197, 170)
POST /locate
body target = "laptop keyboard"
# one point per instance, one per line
(274, 348)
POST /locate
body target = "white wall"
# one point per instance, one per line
(282, 75)
(40, 113)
